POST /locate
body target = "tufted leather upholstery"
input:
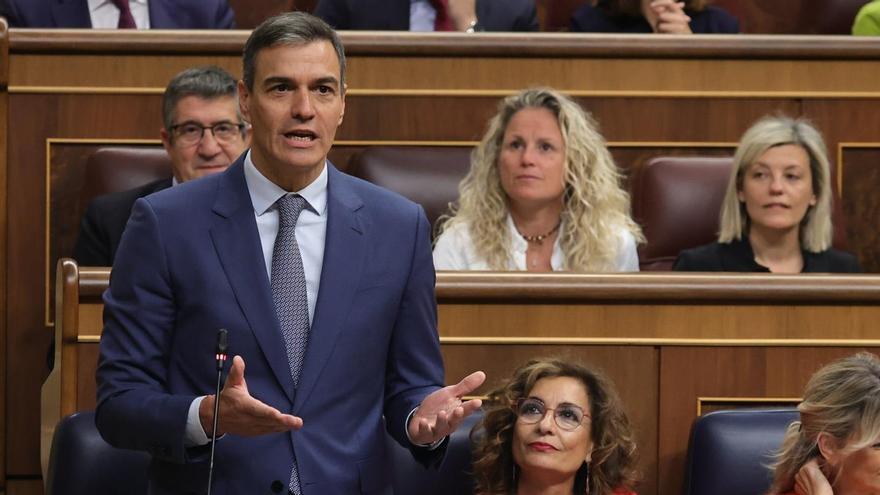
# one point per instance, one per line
(729, 451)
(428, 175)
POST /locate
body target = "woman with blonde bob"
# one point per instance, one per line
(776, 214)
(556, 427)
(542, 194)
(835, 447)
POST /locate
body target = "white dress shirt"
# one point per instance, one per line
(105, 15)
(311, 230)
(454, 250)
(421, 15)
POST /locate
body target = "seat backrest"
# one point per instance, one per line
(427, 175)
(454, 475)
(729, 451)
(119, 168)
(82, 463)
(676, 200)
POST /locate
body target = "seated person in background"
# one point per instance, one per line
(203, 134)
(130, 14)
(833, 449)
(555, 427)
(543, 194)
(776, 214)
(867, 22)
(430, 15)
(653, 16)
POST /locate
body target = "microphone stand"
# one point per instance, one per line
(222, 347)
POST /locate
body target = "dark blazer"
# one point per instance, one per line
(164, 14)
(103, 222)
(393, 15)
(589, 19)
(190, 262)
(738, 256)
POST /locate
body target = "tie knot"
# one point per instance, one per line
(289, 208)
(122, 5)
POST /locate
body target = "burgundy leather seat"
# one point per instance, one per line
(677, 201)
(114, 169)
(427, 175)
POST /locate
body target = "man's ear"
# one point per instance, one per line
(342, 113)
(166, 139)
(829, 448)
(244, 100)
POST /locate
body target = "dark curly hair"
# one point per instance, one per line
(614, 451)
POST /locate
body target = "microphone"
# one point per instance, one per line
(220, 355)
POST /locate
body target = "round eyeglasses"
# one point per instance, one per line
(191, 133)
(568, 417)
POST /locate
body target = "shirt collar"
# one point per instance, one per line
(264, 193)
(95, 4)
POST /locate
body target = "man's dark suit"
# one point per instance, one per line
(164, 14)
(191, 262)
(103, 222)
(393, 15)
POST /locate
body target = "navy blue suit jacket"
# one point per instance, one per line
(164, 14)
(190, 262)
(393, 15)
(711, 20)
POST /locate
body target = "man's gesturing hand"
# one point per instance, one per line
(241, 414)
(441, 412)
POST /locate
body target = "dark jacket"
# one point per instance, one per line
(164, 14)
(711, 20)
(393, 15)
(738, 256)
(103, 223)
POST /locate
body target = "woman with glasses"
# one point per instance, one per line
(555, 427)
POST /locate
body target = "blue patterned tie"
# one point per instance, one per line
(289, 295)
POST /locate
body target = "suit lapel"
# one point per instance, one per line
(237, 242)
(340, 273)
(160, 15)
(71, 13)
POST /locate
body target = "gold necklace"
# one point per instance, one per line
(539, 239)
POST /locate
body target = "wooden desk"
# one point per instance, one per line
(676, 345)
(72, 91)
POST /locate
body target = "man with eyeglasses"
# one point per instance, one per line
(203, 133)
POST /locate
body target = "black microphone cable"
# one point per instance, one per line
(220, 355)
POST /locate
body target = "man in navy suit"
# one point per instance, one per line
(154, 14)
(198, 257)
(410, 15)
(203, 133)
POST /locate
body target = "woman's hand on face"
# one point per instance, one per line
(810, 480)
(670, 17)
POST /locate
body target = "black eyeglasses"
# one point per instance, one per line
(568, 417)
(191, 133)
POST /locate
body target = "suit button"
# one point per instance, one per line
(277, 486)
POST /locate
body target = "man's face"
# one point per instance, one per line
(195, 153)
(295, 106)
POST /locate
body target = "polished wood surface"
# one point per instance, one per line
(70, 91)
(708, 359)
(4, 108)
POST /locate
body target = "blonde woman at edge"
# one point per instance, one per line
(543, 194)
(776, 213)
(835, 447)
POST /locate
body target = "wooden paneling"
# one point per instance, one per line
(4, 106)
(24, 486)
(744, 373)
(649, 94)
(861, 203)
(662, 381)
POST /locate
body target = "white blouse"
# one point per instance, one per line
(454, 250)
